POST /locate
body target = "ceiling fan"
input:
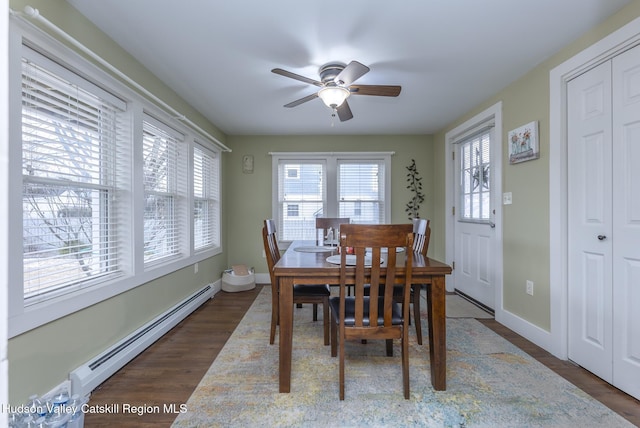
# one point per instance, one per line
(336, 86)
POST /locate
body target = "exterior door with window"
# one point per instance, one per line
(474, 226)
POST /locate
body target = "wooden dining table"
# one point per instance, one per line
(304, 264)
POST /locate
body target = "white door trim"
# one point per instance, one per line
(4, 216)
(494, 112)
(603, 50)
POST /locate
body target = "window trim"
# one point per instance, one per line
(23, 318)
(331, 160)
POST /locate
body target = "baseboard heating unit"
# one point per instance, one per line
(87, 377)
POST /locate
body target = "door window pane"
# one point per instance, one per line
(475, 180)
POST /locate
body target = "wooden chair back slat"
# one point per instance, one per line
(422, 235)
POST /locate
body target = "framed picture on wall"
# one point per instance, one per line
(523, 143)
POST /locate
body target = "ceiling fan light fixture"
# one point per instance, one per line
(333, 96)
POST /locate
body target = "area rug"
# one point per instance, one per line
(490, 383)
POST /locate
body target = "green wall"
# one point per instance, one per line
(42, 358)
(248, 196)
(526, 222)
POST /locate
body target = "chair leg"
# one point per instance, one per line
(315, 312)
(334, 338)
(416, 312)
(325, 320)
(405, 365)
(274, 315)
(341, 368)
(389, 347)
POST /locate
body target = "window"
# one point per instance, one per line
(475, 175)
(160, 152)
(107, 191)
(300, 197)
(206, 199)
(361, 191)
(70, 132)
(353, 185)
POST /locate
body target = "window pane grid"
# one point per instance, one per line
(69, 139)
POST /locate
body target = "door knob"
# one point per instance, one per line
(602, 237)
(492, 225)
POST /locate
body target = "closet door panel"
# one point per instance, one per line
(626, 221)
(589, 210)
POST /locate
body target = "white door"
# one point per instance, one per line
(626, 221)
(604, 220)
(475, 215)
(590, 268)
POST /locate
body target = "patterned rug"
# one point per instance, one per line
(490, 383)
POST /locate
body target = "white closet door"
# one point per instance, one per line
(626, 221)
(590, 221)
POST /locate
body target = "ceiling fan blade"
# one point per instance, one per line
(302, 100)
(344, 112)
(379, 90)
(352, 72)
(286, 73)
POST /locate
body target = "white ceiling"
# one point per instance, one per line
(448, 55)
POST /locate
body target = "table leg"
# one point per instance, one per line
(286, 331)
(437, 332)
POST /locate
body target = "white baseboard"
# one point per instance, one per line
(531, 332)
(88, 376)
(263, 278)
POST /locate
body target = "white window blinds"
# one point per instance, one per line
(70, 132)
(206, 199)
(301, 198)
(346, 184)
(161, 190)
(361, 191)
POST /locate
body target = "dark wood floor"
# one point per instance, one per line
(169, 370)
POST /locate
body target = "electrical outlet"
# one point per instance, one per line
(195, 268)
(530, 287)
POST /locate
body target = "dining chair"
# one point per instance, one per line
(316, 294)
(324, 223)
(377, 315)
(421, 236)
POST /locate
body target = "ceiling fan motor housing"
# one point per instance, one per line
(330, 71)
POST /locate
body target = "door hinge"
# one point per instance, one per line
(453, 265)
(453, 155)
(453, 210)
